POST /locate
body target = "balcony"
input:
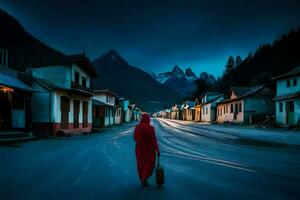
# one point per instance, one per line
(81, 89)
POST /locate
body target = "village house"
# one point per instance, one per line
(126, 110)
(197, 110)
(15, 99)
(137, 114)
(103, 108)
(64, 103)
(288, 97)
(209, 102)
(118, 111)
(188, 110)
(174, 112)
(246, 105)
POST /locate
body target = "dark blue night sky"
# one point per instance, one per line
(156, 35)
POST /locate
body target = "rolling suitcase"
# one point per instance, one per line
(160, 176)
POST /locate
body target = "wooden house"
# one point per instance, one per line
(64, 103)
(209, 102)
(288, 97)
(246, 105)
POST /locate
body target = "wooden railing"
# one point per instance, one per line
(75, 85)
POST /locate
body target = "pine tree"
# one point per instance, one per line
(230, 65)
(238, 61)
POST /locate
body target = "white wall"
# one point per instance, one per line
(103, 98)
(228, 116)
(57, 102)
(40, 104)
(281, 116)
(283, 89)
(59, 75)
(206, 117)
(118, 115)
(109, 117)
(82, 74)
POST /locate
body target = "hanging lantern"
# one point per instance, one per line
(5, 89)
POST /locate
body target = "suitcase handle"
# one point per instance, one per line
(158, 161)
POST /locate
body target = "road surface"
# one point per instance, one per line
(200, 162)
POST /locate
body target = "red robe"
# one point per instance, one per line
(145, 148)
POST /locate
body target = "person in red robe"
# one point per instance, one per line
(146, 149)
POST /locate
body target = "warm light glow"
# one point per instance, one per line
(6, 89)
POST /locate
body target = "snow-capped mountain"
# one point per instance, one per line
(177, 79)
(176, 72)
(190, 75)
(116, 74)
(208, 78)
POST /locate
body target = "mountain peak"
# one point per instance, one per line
(177, 72)
(112, 57)
(189, 72)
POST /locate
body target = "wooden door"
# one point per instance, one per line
(64, 109)
(84, 114)
(102, 116)
(290, 112)
(76, 113)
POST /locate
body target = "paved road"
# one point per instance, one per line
(200, 163)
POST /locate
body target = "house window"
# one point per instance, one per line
(280, 107)
(240, 107)
(231, 108)
(203, 111)
(206, 110)
(288, 83)
(83, 83)
(295, 82)
(76, 77)
(224, 109)
(220, 111)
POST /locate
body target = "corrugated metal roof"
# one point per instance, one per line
(10, 80)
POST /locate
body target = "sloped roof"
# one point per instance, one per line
(242, 92)
(293, 72)
(212, 100)
(51, 86)
(188, 104)
(9, 78)
(106, 91)
(80, 59)
(210, 94)
(101, 103)
(245, 91)
(48, 85)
